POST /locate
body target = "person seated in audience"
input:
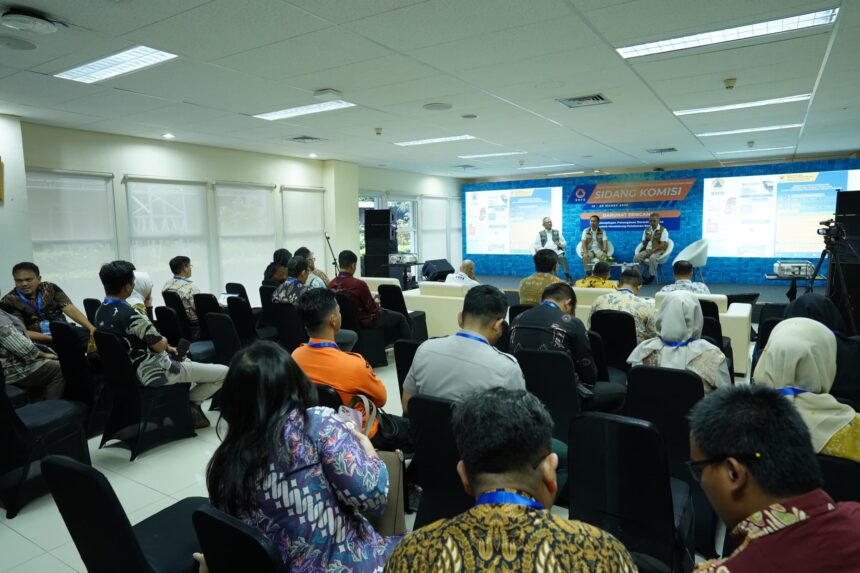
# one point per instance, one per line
(370, 315)
(506, 463)
(154, 360)
(24, 365)
(683, 272)
(679, 343)
(594, 244)
(551, 325)
(295, 470)
(276, 271)
(599, 277)
(800, 362)
(36, 303)
(182, 285)
(751, 452)
(291, 289)
(821, 309)
(141, 297)
(324, 362)
(626, 300)
(546, 265)
(465, 276)
(316, 278)
(655, 241)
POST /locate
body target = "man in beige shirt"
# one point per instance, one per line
(532, 287)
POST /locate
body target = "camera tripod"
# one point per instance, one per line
(835, 278)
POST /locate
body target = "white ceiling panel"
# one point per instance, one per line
(341, 12)
(7, 71)
(175, 115)
(39, 90)
(782, 114)
(113, 103)
(424, 90)
(81, 45)
(224, 27)
(47, 116)
(365, 75)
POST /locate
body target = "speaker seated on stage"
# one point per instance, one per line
(370, 314)
(655, 243)
(594, 245)
(466, 275)
(683, 271)
(531, 287)
(553, 240)
(599, 277)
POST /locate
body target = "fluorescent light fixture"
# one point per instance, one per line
(434, 140)
(548, 166)
(747, 31)
(750, 130)
(168, 135)
(752, 150)
(312, 155)
(130, 60)
(566, 173)
(305, 110)
(502, 154)
(759, 103)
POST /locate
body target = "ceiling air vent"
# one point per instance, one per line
(582, 101)
(305, 139)
(661, 150)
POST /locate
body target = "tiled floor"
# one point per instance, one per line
(37, 541)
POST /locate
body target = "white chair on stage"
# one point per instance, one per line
(696, 253)
(610, 250)
(661, 260)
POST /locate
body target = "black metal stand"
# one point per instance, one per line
(333, 256)
(835, 279)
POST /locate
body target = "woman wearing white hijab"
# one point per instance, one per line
(800, 362)
(679, 343)
(141, 296)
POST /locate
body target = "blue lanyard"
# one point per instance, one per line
(294, 281)
(791, 391)
(674, 344)
(508, 497)
(38, 306)
(473, 337)
(323, 345)
(550, 304)
(181, 279)
(114, 301)
(627, 290)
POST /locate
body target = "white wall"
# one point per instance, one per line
(403, 183)
(14, 221)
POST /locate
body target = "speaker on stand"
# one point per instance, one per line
(380, 240)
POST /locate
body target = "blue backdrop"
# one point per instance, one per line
(719, 269)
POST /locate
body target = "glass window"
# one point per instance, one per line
(304, 224)
(403, 213)
(455, 231)
(434, 228)
(73, 228)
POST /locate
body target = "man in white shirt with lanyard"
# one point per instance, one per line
(595, 244)
(553, 240)
(655, 241)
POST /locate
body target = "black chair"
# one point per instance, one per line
(517, 309)
(16, 396)
(27, 435)
(81, 386)
(91, 305)
(105, 539)
(169, 326)
(712, 330)
(436, 458)
(291, 330)
(243, 320)
(619, 481)
(230, 545)
(204, 303)
(404, 354)
(771, 310)
(550, 376)
(238, 289)
(391, 298)
(841, 477)
(371, 341)
(267, 318)
(604, 371)
(764, 330)
(328, 397)
(224, 337)
(140, 417)
(172, 300)
(618, 331)
(503, 344)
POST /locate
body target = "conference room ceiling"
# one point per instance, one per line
(505, 61)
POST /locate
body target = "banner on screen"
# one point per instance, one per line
(631, 220)
(632, 192)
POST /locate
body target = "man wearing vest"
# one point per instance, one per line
(553, 240)
(655, 241)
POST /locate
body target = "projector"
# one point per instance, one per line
(793, 269)
(402, 259)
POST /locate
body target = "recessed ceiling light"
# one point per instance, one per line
(130, 60)
(305, 110)
(747, 31)
(312, 155)
(548, 166)
(28, 23)
(502, 154)
(759, 103)
(752, 150)
(168, 135)
(438, 106)
(750, 130)
(434, 140)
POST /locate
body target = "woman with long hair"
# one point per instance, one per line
(295, 470)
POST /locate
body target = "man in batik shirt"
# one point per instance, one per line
(626, 300)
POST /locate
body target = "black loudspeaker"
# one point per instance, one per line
(380, 234)
(376, 265)
(436, 270)
(848, 213)
(378, 217)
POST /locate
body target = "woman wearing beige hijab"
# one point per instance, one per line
(800, 362)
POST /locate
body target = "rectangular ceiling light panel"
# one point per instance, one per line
(548, 166)
(434, 140)
(130, 60)
(502, 154)
(759, 103)
(745, 32)
(750, 130)
(305, 110)
(752, 150)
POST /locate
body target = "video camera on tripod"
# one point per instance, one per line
(831, 230)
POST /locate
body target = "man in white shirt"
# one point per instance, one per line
(466, 276)
(595, 244)
(553, 240)
(655, 241)
(683, 272)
